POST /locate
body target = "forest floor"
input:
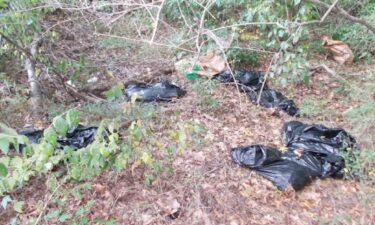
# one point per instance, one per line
(206, 186)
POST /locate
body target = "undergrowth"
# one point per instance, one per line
(132, 139)
(205, 90)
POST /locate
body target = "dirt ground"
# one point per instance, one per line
(206, 186)
(209, 187)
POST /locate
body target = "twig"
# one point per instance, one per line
(156, 22)
(182, 14)
(323, 66)
(345, 14)
(144, 41)
(201, 24)
(328, 11)
(46, 204)
(215, 38)
(266, 76)
(16, 45)
(124, 13)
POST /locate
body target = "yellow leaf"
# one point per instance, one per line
(146, 158)
(135, 165)
(109, 73)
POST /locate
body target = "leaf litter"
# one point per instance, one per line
(206, 186)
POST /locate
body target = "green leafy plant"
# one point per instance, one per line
(238, 57)
(115, 92)
(135, 146)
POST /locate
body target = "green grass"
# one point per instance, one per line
(313, 107)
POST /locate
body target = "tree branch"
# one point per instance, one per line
(17, 46)
(345, 14)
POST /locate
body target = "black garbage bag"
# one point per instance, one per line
(322, 142)
(316, 138)
(285, 173)
(313, 151)
(307, 160)
(269, 163)
(251, 82)
(272, 99)
(162, 91)
(255, 156)
(34, 135)
(76, 138)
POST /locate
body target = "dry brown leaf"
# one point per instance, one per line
(169, 207)
(211, 64)
(147, 219)
(340, 51)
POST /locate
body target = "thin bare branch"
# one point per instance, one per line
(144, 41)
(345, 14)
(156, 22)
(328, 11)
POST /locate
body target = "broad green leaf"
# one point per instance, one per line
(5, 201)
(3, 4)
(4, 145)
(22, 139)
(17, 163)
(3, 170)
(146, 158)
(53, 214)
(83, 221)
(73, 118)
(65, 217)
(105, 222)
(50, 136)
(60, 125)
(115, 92)
(80, 211)
(105, 151)
(17, 206)
(7, 130)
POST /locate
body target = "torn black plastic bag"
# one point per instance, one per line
(313, 151)
(34, 135)
(162, 91)
(322, 142)
(76, 138)
(274, 99)
(251, 82)
(255, 156)
(248, 80)
(269, 163)
(316, 138)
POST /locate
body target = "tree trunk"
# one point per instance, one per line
(35, 92)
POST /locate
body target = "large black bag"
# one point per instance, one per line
(162, 91)
(313, 151)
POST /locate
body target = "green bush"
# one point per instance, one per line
(360, 39)
(237, 57)
(131, 141)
